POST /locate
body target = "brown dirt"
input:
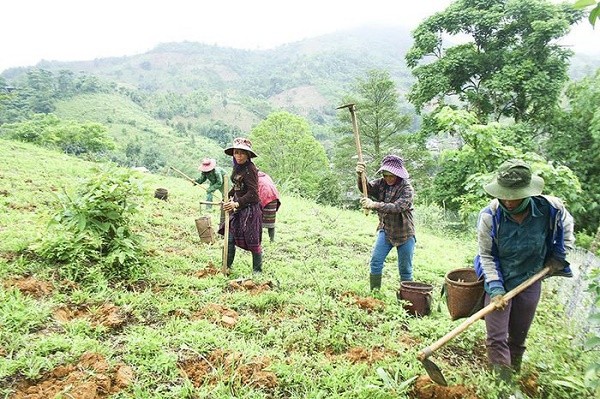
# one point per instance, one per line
(249, 285)
(209, 270)
(425, 388)
(30, 286)
(529, 385)
(368, 304)
(360, 354)
(106, 315)
(228, 367)
(219, 314)
(91, 378)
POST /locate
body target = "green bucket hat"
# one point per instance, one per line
(514, 181)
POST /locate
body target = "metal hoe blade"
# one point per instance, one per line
(434, 372)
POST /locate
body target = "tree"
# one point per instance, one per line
(594, 12)
(378, 115)
(383, 129)
(290, 154)
(509, 67)
(574, 140)
(462, 172)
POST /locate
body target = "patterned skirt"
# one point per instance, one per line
(269, 213)
(245, 226)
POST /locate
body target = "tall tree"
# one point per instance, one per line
(378, 115)
(383, 129)
(507, 64)
(289, 153)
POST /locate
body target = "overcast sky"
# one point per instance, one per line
(74, 30)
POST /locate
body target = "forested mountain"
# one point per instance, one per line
(305, 77)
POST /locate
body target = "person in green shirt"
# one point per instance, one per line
(519, 232)
(214, 175)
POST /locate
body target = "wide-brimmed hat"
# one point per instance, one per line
(395, 165)
(207, 165)
(514, 180)
(241, 143)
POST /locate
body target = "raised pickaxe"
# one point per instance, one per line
(352, 108)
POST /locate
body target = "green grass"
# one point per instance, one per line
(293, 340)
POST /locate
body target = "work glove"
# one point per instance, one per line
(556, 264)
(360, 168)
(368, 203)
(497, 297)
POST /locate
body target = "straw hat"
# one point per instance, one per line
(241, 143)
(207, 165)
(514, 180)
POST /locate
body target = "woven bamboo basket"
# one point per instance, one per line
(464, 292)
(205, 230)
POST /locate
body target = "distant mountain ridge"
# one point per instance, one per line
(307, 77)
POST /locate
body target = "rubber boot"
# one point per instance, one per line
(271, 231)
(503, 375)
(515, 362)
(375, 281)
(230, 252)
(257, 262)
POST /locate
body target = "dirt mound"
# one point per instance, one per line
(106, 315)
(91, 378)
(219, 314)
(249, 285)
(425, 388)
(360, 354)
(30, 286)
(209, 270)
(368, 304)
(228, 367)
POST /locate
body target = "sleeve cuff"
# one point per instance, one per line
(495, 284)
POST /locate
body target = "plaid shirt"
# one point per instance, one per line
(394, 207)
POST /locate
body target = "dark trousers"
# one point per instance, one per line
(507, 329)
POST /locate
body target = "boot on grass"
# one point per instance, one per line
(375, 281)
(257, 263)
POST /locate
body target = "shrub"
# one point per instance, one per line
(91, 232)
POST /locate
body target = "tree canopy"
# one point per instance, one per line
(289, 153)
(507, 66)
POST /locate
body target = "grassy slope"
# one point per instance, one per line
(126, 120)
(307, 326)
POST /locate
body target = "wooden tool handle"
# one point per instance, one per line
(425, 353)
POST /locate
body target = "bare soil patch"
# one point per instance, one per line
(249, 286)
(375, 354)
(219, 314)
(425, 388)
(228, 367)
(107, 315)
(365, 303)
(91, 378)
(30, 286)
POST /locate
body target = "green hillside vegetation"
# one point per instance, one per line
(308, 327)
(158, 146)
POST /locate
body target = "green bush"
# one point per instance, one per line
(91, 234)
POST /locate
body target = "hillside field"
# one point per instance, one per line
(308, 327)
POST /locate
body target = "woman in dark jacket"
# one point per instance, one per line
(245, 220)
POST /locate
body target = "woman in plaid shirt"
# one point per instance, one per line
(392, 197)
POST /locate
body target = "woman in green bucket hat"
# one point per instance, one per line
(520, 232)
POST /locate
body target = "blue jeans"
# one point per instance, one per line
(405, 256)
